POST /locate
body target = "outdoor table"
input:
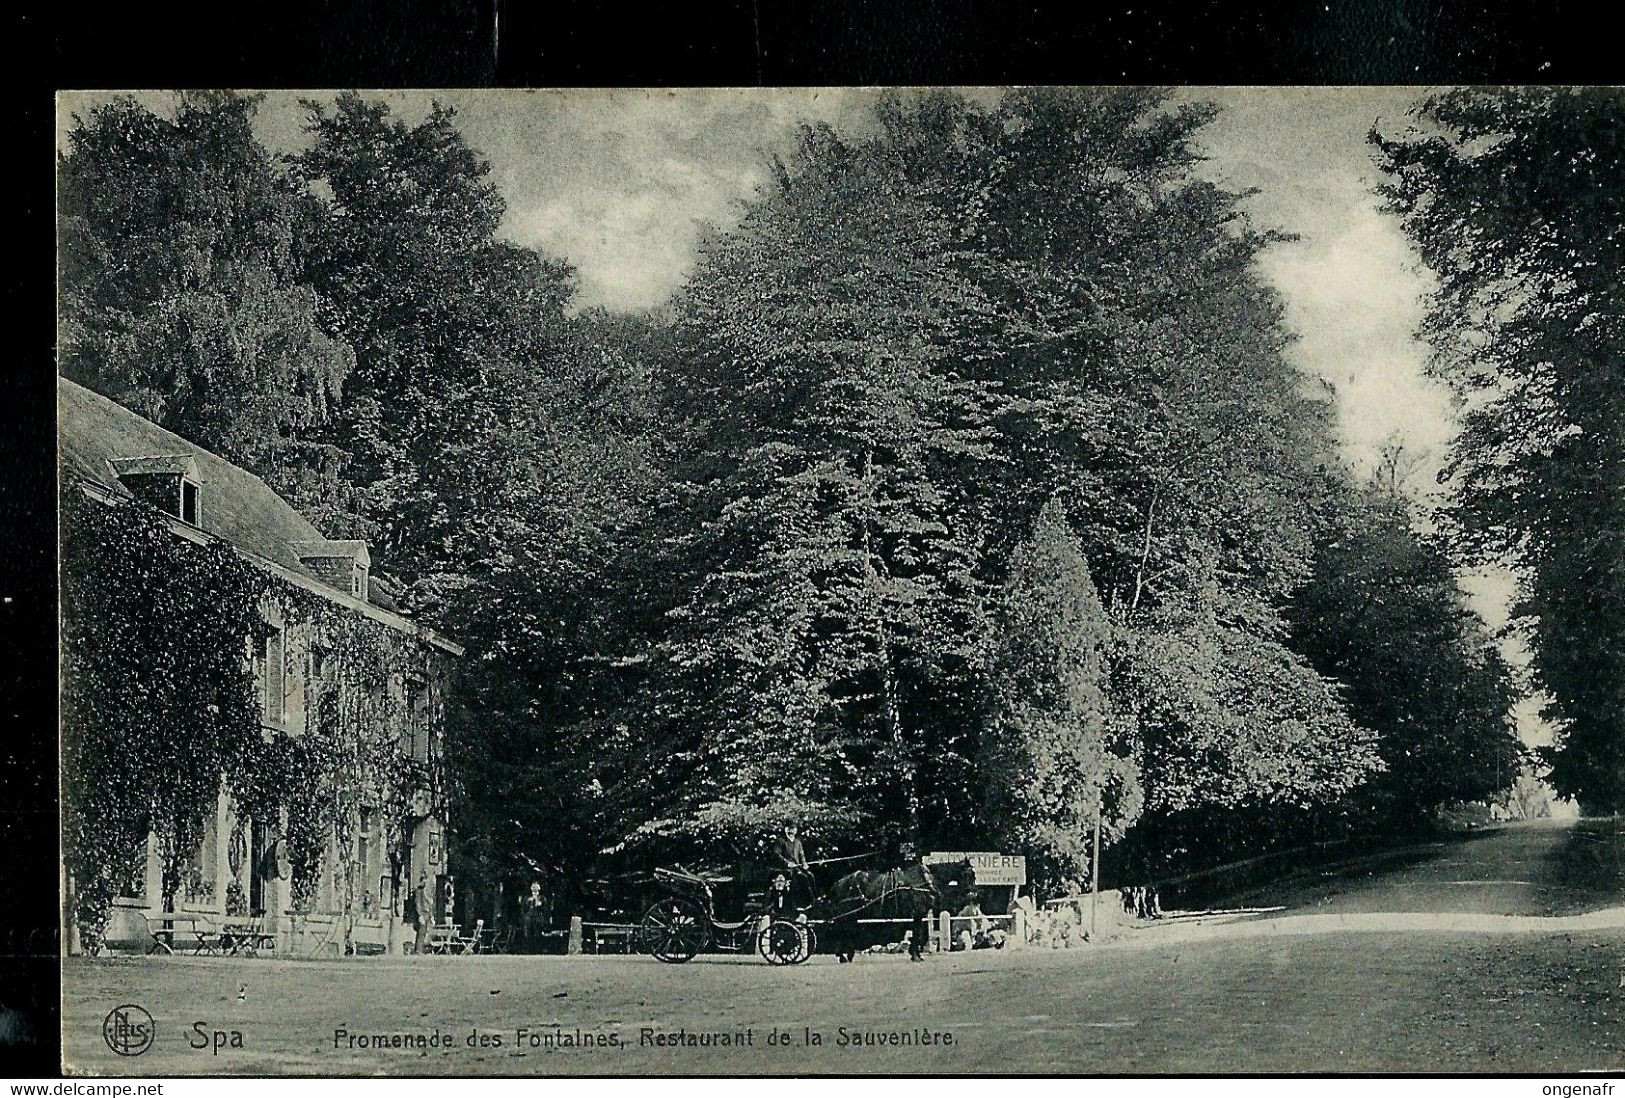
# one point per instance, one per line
(208, 939)
(246, 935)
(164, 937)
(442, 937)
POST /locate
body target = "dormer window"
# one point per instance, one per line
(168, 482)
(340, 564)
(189, 502)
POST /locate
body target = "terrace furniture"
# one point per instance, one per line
(469, 943)
(245, 936)
(177, 923)
(618, 937)
(442, 938)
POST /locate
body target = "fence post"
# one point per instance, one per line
(575, 935)
(945, 932)
(1018, 928)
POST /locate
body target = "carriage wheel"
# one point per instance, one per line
(783, 942)
(812, 945)
(673, 930)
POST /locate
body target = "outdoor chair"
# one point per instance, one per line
(469, 943)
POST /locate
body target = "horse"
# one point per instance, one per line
(912, 892)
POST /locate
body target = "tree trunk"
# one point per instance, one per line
(1145, 550)
(890, 708)
(907, 775)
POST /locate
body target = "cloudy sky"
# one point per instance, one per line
(622, 183)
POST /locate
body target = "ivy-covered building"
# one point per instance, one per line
(251, 727)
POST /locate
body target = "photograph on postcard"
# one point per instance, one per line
(845, 580)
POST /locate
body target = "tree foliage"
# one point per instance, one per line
(460, 342)
(1385, 617)
(1513, 199)
(183, 294)
(913, 340)
(1055, 759)
(833, 542)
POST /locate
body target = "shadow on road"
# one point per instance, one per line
(1534, 868)
(1587, 870)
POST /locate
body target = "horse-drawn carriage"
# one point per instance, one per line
(685, 922)
(781, 924)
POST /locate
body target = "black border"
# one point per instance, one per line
(517, 43)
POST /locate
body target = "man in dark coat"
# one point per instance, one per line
(788, 854)
(424, 913)
(790, 859)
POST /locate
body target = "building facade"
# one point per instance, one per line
(357, 897)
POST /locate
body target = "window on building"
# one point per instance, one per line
(132, 871)
(189, 502)
(198, 877)
(359, 584)
(273, 684)
(319, 661)
(417, 720)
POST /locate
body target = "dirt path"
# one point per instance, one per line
(1372, 1002)
(1271, 924)
(1394, 967)
(1534, 868)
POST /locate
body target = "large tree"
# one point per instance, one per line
(183, 295)
(1147, 384)
(501, 458)
(1515, 200)
(463, 350)
(823, 347)
(1055, 762)
(1385, 617)
(916, 338)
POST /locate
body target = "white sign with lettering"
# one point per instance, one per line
(991, 867)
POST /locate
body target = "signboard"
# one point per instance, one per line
(991, 868)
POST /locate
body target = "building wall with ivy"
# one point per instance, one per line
(240, 740)
(354, 896)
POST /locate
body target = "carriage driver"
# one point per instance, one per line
(790, 859)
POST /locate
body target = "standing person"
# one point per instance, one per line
(919, 933)
(974, 935)
(420, 899)
(534, 919)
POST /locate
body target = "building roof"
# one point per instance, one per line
(98, 439)
(320, 550)
(182, 464)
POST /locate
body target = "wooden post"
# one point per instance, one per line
(1018, 928)
(575, 935)
(945, 931)
(1094, 876)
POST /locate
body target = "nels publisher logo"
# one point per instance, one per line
(127, 1030)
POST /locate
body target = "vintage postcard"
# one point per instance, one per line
(842, 581)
